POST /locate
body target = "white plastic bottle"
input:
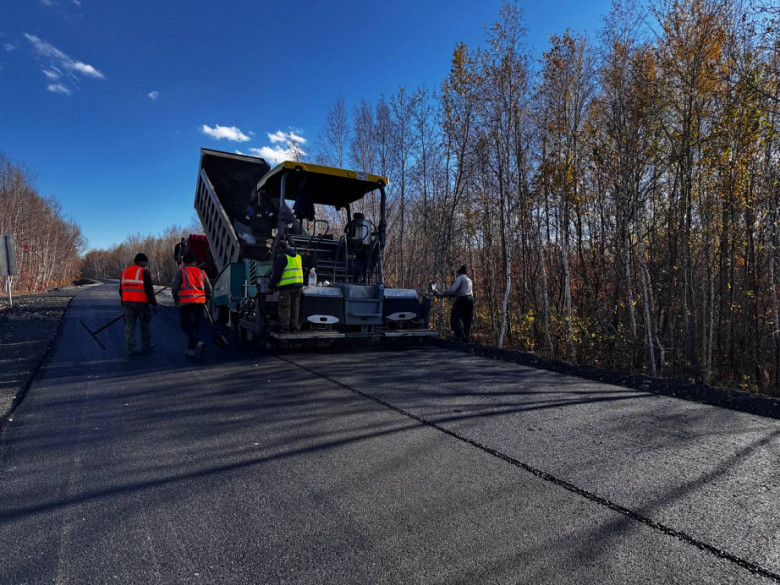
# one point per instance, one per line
(312, 277)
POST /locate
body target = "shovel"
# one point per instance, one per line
(219, 339)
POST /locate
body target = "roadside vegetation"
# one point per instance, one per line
(617, 201)
(48, 245)
(109, 263)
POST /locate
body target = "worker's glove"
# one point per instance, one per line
(154, 309)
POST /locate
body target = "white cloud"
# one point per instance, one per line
(291, 136)
(282, 137)
(59, 88)
(86, 70)
(153, 95)
(229, 133)
(277, 137)
(57, 2)
(286, 146)
(46, 49)
(57, 62)
(272, 154)
(9, 47)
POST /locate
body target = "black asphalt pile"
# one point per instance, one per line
(683, 389)
(28, 328)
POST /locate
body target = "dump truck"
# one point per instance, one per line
(246, 208)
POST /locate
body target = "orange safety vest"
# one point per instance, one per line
(193, 285)
(132, 284)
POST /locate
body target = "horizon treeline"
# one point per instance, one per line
(109, 263)
(50, 249)
(616, 201)
(48, 246)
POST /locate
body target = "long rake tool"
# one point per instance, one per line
(219, 339)
(94, 333)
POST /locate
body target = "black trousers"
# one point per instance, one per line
(461, 316)
(190, 317)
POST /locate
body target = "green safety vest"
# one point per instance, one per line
(293, 272)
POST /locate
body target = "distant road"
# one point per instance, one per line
(372, 466)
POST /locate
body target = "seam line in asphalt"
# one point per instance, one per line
(658, 526)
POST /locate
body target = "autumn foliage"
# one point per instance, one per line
(109, 263)
(617, 201)
(48, 246)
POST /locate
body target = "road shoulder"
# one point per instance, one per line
(28, 328)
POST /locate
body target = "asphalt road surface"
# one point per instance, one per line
(369, 466)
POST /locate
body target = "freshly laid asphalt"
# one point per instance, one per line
(369, 466)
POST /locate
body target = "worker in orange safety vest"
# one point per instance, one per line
(138, 302)
(191, 291)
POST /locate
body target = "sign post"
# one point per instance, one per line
(8, 260)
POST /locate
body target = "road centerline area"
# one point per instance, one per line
(661, 527)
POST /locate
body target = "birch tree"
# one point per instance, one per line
(566, 88)
(506, 127)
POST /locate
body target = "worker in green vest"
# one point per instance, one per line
(287, 278)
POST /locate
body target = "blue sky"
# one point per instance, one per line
(108, 103)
